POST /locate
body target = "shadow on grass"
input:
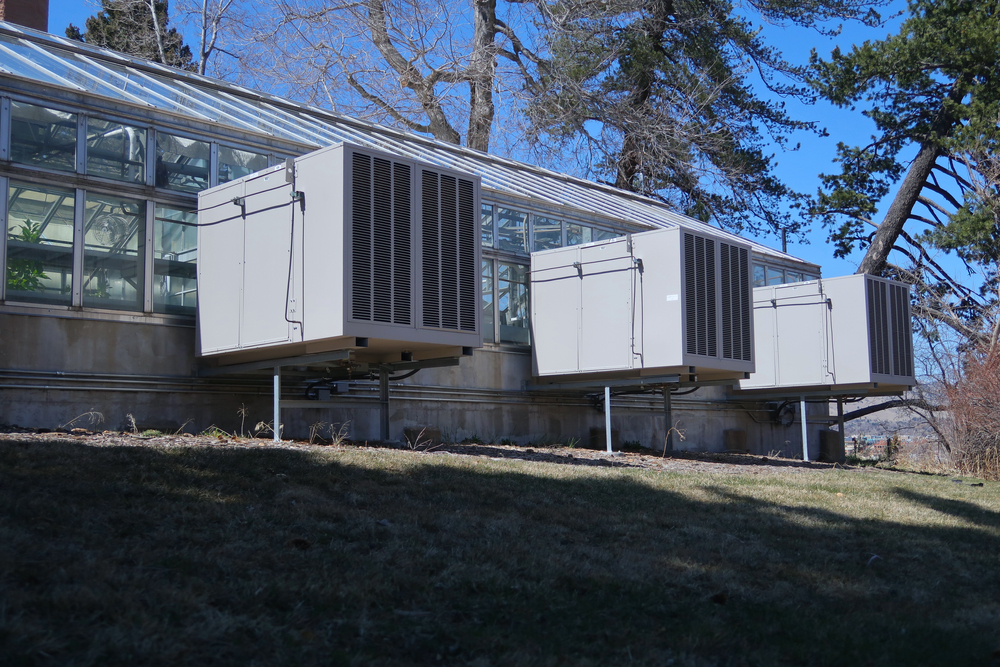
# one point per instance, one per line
(959, 509)
(133, 555)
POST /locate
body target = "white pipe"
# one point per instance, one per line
(277, 403)
(805, 430)
(607, 417)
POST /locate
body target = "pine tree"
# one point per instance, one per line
(136, 28)
(933, 88)
(661, 93)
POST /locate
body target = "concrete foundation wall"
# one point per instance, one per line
(52, 370)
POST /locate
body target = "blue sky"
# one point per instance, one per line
(799, 169)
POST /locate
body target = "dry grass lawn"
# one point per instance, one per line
(140, 553)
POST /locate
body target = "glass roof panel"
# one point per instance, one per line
(111, 77)
(53, 60)
(20, 59)
(176, 101)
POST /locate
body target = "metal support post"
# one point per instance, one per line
(840, 423)
(383, 403)
(668, 414)
(607, 417)
(277, 403)
(805, 430)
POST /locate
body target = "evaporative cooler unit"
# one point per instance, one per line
(838, 335)
(657, 303)
(344, 248)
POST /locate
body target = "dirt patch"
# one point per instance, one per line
(731, 463)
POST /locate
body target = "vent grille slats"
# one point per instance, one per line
(383, 238)
(700, 295)
(468, 269)
(746, 308)
(890, 337)
(727, 300)
(449, 234)
(449, 253)
(736, 333)
(431, 247)
(381, 273)
(402, 245)
(361, 234)
(902, 330)
(382, 242)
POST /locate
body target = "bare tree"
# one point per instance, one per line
(216, 23)
(430, 66)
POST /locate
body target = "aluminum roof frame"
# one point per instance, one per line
(57, 61)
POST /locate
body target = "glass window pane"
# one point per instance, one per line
(487, 319)
(234, 163)
(774, 276)
(512, 299)
(758, 276)
(604, 234)
(512, 230)
(181, 163)
(175, 251)
(116, 151)
(39, 244)
(793, 277)
(577, 234)
(486, 224)
(42, 137)
(547, 233)
(114, 236)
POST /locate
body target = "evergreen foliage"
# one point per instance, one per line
(934, 87)
(132, 28)
(661, 94)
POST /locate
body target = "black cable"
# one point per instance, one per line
(291, 258)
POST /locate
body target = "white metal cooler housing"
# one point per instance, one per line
(658, 303)
(348, 249)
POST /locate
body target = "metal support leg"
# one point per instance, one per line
(277, 403)
(840, 423)
(607, 417)
(805, 429)
(383, 403)
(668, 415)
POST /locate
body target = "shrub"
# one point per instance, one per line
(975, 409)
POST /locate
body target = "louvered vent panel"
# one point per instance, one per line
(361, 238)
(878, 328)
(449, 252)
(381, 273)
(449, 230)
(690, 296)
(699, 291)
(735, 303)
(727, 302)
(902, 335)
(431, 248)
(382, 245)
(711, 328)
(467, 270)
(402, 244)
(746, 306)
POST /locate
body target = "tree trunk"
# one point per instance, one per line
(899, 212)
(906, 198)
(482, 64)
(151, 4)
(642, 74)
